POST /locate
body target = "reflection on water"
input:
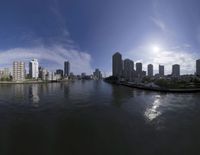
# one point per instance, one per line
(93, 117)
(153, 111)
(33, 94)
(18, 92)
(120, 94)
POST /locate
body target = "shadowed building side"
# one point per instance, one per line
(176, 70)
(161, 70)
(128, 69)
(198, 67)
(117, 65)
(139, 70)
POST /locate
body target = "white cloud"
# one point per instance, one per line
(186, 61)
(54, 56)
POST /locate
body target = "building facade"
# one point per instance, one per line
(18, 71)
(34, 69)
(198, 67)
(117, 64)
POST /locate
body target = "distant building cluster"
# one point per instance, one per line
(37, 72)
(125, 69)
(97, 74)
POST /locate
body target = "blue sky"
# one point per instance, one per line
(88, 32)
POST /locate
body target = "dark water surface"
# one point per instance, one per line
(96, 118)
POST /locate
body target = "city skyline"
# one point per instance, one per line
(131, 69)
(123, 67)
(88, 34)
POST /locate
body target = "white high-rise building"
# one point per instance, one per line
(18, 71)
(117, 64)
(34, 69)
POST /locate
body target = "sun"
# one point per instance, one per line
(156, 48)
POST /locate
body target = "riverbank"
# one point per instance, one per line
(191, 90)
(158, 89)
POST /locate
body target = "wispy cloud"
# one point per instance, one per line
(157, 16)
(159, 23)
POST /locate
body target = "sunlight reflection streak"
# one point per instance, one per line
(152, 112)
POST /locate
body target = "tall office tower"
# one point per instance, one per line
(150, 70)
(34, 69)
(117, 64)
(66, 68)
(97, 74)
(18, 71)
(128, 69)
(176, 70)
(198, 67)
(161, 70)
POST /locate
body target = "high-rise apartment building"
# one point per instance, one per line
(161, 70)
(150, 70)
(117, 64)
(139, 67)
(128, 69)
(18, 71)
(176, 70)
(34, 69)
(139, 70)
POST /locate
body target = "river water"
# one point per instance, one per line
(97, 118)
